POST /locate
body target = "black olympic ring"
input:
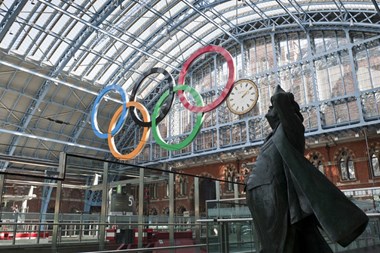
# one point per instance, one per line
(166, 108)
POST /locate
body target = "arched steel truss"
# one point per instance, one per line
(230, 25)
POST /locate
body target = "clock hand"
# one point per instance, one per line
(245, 93)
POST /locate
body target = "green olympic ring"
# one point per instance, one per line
(122, 113)
(198, 124)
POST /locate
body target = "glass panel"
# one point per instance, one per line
(322, 78)
(375, 165)
(24, 205)
(310, 118)
(374, 62)
(319, 45)
(351, 169)
(260, 55)
(343, 169)
(341, 113)
(363, 71)
(320, 167)
(370, 103)
(231, 233)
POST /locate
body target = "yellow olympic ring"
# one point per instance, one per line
(144, 137)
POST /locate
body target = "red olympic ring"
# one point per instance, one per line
(227, 89)
(165, 101)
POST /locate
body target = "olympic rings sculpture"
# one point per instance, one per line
(161, 109)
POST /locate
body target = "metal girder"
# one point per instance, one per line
(46, 194)
(298, 7)
(211, 21)
(100, 37)
(87, 31)
(321, 129)
(153, 40)
(11, 16)
(95, 27)
(257, 10)
(88, 196)
(169, 23)
(16, 133)
(224, 19)
(175, 24)
(340, 6)
(376, 6)
(296, 19)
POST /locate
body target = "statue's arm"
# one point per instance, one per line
(291, 123)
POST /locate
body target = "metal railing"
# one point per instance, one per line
(215, 234)
(24, 229)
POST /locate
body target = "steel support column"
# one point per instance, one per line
(46, 194)
(103, 211)
(11, 16)
(171, 208)
(355, 79)
(54, 240)
(141, 207)
(2, 182)
(196, 210)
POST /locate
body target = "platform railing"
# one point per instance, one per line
(218, 234)
(369, 238)
(223, 235)
(15, 232)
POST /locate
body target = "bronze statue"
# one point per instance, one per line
(289, 198)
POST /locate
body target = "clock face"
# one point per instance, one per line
(243, 96)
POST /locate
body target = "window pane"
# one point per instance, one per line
(351, 169)
(320, 167)
(343, 169)
(375, 165)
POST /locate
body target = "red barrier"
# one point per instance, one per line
(30, 235)
(146, 238)
(111, 234)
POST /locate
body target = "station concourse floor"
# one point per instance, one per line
(93, 247)
(64, 248)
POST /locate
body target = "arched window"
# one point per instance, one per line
(180, 210)
(230, 177)
(167, 190)
(153, 211)
(320, 167)
(347, 167)
(165, 211)
(245, 171)
(375, 166)
(153, 191)
(182, 185)
(316, 160)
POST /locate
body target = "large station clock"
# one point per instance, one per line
(243, 97)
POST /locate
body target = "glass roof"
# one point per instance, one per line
(85, 45)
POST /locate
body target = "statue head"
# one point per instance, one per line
(272, 115)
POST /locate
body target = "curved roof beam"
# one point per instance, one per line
(122, 31)
(96, 28)
(11, 16)
(168, 23)
(212, 21)
(16, 133)
(256, 9)
(298, 7)
(153, 40)
(80, 38)
(376, 6)
(177, 24)
(296, 19)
